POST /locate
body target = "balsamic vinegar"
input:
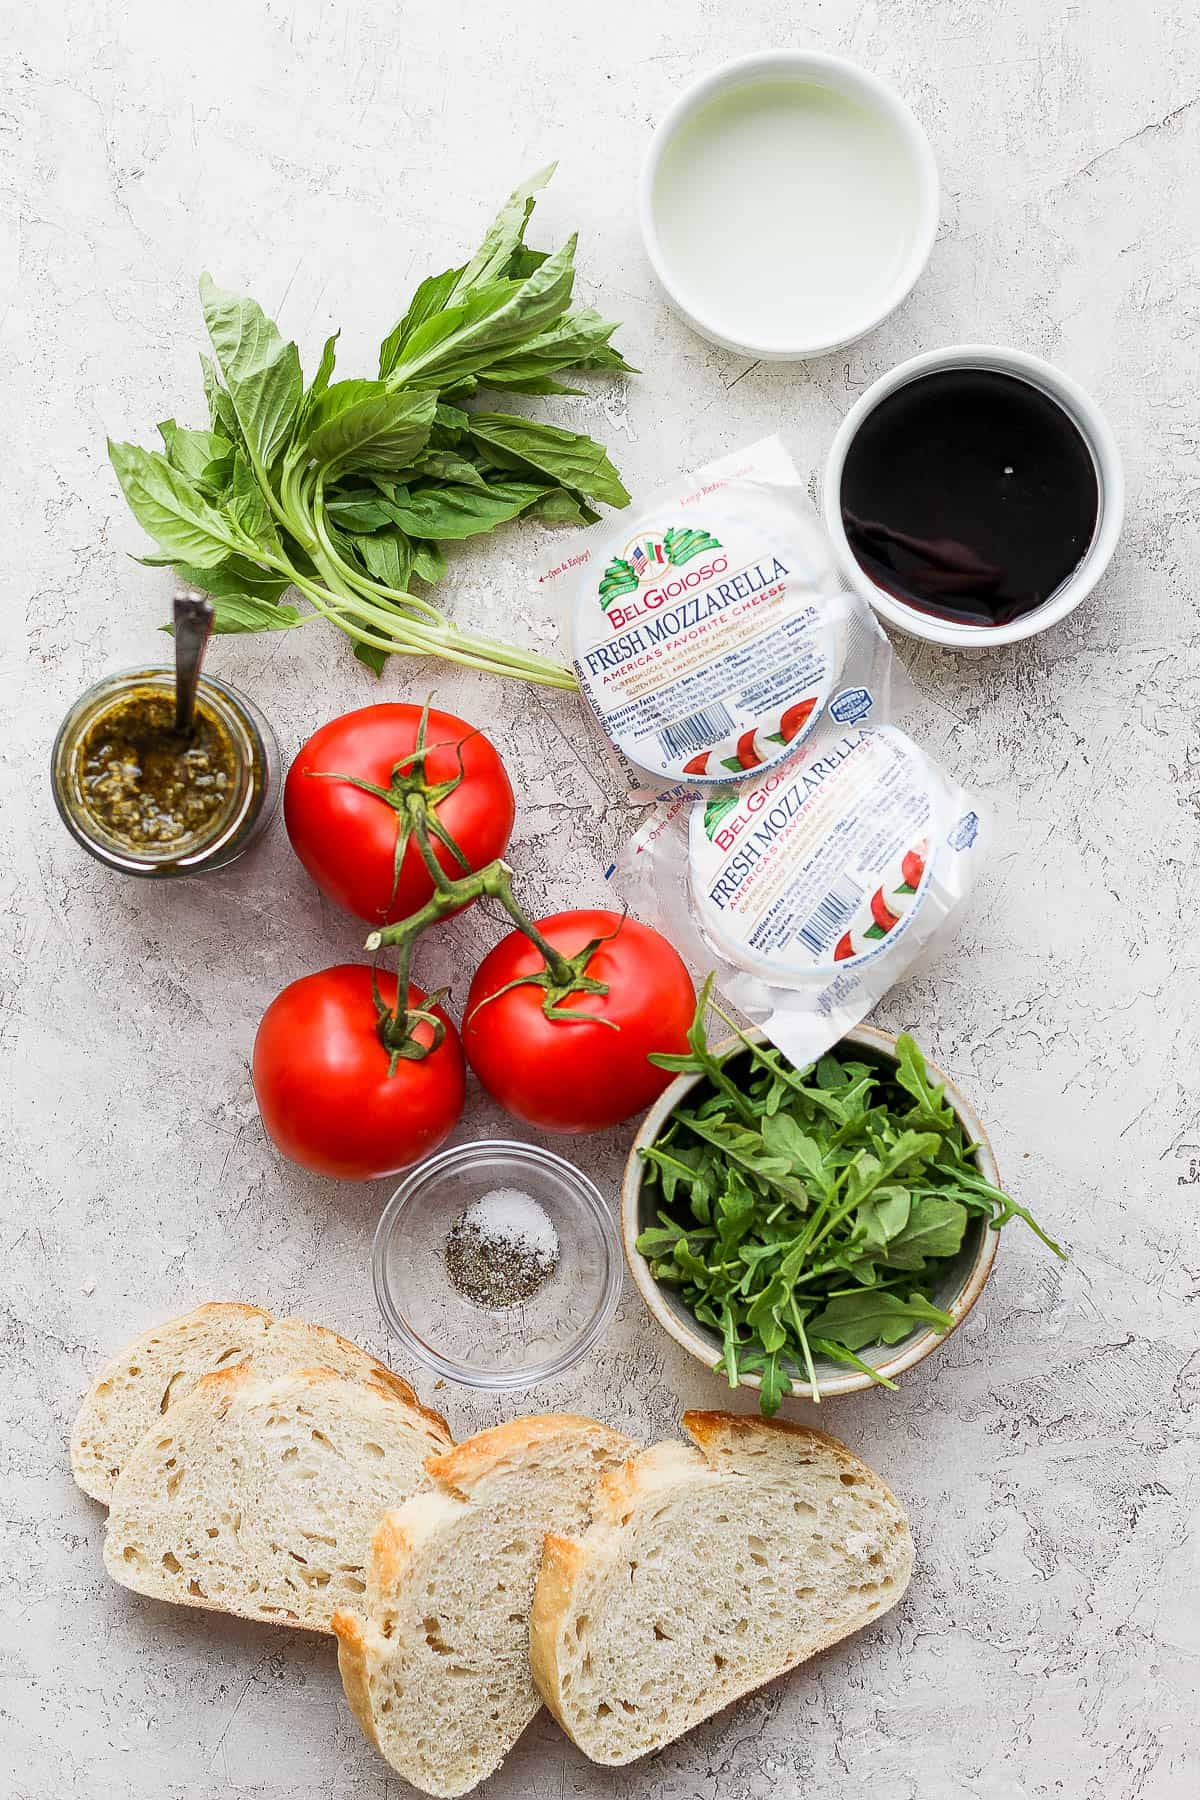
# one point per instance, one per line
(969, 494)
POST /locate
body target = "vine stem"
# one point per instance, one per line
(452, 893)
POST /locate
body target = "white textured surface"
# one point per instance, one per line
(324, 155)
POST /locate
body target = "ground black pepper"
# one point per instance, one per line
(494, 1270)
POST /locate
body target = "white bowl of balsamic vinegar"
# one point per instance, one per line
(974, 496)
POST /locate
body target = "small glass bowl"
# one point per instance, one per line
(502, 1348)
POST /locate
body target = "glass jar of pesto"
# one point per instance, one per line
(146, 801)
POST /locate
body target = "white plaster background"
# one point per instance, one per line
(325, 155)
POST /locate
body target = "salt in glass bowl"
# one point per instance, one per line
(501, 1348)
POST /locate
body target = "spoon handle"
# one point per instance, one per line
(193, 628)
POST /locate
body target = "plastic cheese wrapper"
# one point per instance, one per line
(813, 888)
(711, 633)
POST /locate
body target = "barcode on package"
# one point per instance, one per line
(825, 924)
(699, 732)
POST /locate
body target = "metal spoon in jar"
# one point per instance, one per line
(193, 627)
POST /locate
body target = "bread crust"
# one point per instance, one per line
(407, 1535)
(214, 1395)
(354, 1669)
(562, 1564)
(569, 1565)
(470, 1462)
(92, 1431)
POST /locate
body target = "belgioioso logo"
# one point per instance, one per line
(649, 559)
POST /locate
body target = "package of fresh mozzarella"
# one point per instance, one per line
(814, 887)
(711, 633)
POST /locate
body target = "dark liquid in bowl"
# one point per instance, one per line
(970, 495)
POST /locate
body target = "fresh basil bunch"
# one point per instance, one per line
(346, 490)
(810, 1212)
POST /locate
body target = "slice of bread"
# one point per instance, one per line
(706, 1572)
(136, 1387)
(258, 1495)
(436, 1664)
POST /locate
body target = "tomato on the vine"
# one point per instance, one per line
(347, 835)
(333, 1097)
(587, 1068)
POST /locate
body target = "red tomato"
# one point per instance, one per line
(795, 719)
(566, 1076)
(322, 1084)
(844, 949)
(346, 838)
(698, 764)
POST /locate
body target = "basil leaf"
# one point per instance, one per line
(566, 456)
(569, 343)
(235, 578)
(445, 465)
(461, 512)
(243, 612)
(246, 505)
(357, 512)
(372, 656)
(387, 555)
(325, 367)
(428, 562)
(203, 456)
(170, 508)
(221, 414)
(381, 429)
(505, 236)
(466, 338)
(430, 298)
(261, 372)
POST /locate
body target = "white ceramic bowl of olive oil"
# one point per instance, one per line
(788, 204)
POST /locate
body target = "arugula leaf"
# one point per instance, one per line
(876, 1318)
(911, 1075)
(262, 373)
(806, 1213)
(934, 1229)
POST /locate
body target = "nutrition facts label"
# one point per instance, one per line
(818, 863)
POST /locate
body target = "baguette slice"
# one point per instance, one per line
(258, 1495)
(135, 1388)
(436, 1666)
(706, 1572)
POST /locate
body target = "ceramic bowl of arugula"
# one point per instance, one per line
(811, 1232)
